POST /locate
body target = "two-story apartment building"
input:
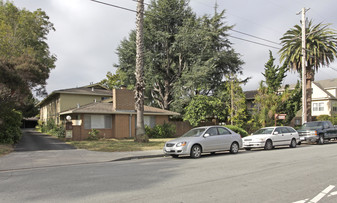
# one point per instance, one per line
(65, 99)
(112, 112)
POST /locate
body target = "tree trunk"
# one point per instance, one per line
(310, 78)
(139, 88)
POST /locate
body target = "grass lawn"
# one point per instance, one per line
(115, 145)
(5, 149)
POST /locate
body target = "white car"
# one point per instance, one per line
(270, 137)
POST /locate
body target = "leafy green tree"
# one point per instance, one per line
(274, 75)
(236, 103)
(202, 108)
(112, 81)
(184, 55)
(269, 100)
(321, 47)
(25, 60)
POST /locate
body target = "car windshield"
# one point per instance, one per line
(264, 131)
(312, 125)
(194, 132)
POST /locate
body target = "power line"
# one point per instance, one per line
(255, 37)
(115, 6)
(112, 5)
(254, 42)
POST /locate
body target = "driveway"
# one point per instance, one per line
(37, 150)
(35, 141)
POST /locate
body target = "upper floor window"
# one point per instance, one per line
(318, 106)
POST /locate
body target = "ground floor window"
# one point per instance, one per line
(97, 121)
(150, 121)
(318, 106)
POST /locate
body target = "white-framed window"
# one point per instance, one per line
(97, 121)
(319, 106)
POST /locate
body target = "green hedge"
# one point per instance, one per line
(167, 130)
(10, 131)
(238, 130)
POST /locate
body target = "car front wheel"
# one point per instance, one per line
(268, 145)
(196, 151)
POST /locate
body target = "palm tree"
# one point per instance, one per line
(321, 47)
(139, 89)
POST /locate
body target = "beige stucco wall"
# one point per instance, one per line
(51, 109)
(69, 101)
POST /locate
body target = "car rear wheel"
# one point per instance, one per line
(234, 148)
(268, 145)
(196, 151)
(293, 143)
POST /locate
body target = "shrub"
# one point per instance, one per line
(93, 135)
(238, 130)
(10, 132)
(167, 130)
(333, 119)
(59, 131)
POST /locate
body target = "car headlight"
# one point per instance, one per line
(181, 144)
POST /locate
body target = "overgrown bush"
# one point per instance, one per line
(333, 119)
(238, 130)
(10, 131)
(59, 131)
(167, 130)
(51, 128)
(94, 135)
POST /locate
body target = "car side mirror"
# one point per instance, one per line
(275, 133)
(206, 135)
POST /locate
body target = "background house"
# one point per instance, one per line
(324, 99)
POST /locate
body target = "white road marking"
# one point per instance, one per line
(332, 194)
(322, 194)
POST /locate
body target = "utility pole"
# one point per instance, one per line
(304, 74)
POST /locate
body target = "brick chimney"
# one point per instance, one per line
(123, 99)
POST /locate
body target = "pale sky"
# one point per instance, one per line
(88, 34)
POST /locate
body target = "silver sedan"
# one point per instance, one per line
(204, 139)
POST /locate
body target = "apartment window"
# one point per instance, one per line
(318, 106)
(97, 121)
(334, 108)
(150, 121)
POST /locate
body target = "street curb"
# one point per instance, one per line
(139, 157)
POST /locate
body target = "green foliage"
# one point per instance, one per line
(113, 81)
(238, 130)
(274, 75)
(202, 108)
(167, 130)
(10, 132)
(94, 135)
(59, 131)
(270, 102)
(235, 101)
(181, 50)
(333, 119)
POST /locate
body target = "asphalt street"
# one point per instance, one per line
(35, 141)
(304, 174)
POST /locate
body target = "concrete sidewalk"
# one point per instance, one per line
(49, 158)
